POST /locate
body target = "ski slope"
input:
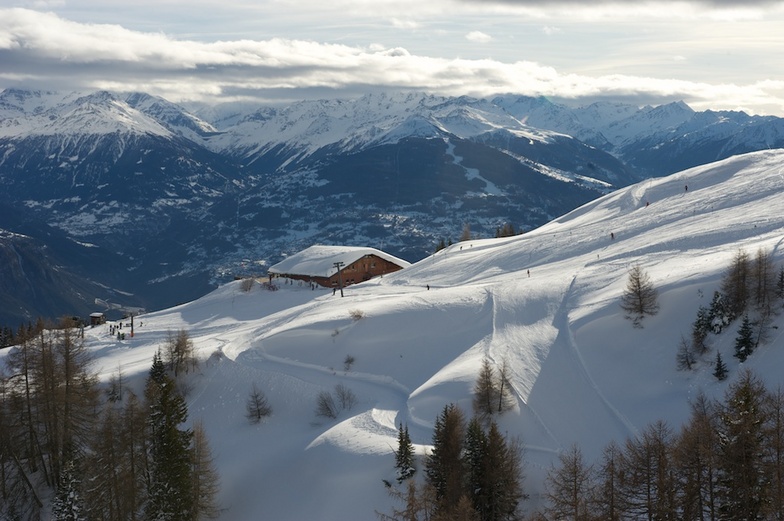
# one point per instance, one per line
(546, 302)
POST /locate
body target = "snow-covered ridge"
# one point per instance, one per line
(33, 113)
(302, 128)
(545, 301)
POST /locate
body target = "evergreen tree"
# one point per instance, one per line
(700, 330)
(474, 457)
(170, 495)
(443, 467)
(404, 455)
(719, 368)
(744, 342)
(68, 505)
(780, 283)
(501, 477)
(640, 297)
(719, 315)
(6, 337)
(774, 457)
(743, 484)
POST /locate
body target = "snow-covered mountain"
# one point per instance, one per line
(547, 302)
(189, 197)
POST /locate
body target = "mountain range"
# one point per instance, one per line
(159, 202)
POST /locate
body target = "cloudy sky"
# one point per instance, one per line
(713, 54)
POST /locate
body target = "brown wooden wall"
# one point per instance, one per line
(360, 270)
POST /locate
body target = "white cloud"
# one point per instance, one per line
(405, 24)
(42, 50)
(478, 37)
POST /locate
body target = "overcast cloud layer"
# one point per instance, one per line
(712, 54)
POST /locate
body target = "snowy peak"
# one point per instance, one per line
(48, 114)
(174, 117)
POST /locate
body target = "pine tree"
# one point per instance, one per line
(763, 281)
(485, 390)
(606, 501)
(780, 283)
(719, 368)
(419, 503)
(117, 462)
(205, 483)
(170, 495)
(443, 467)
(257, 406)
(700, 330)
(735, 284)
(179, 352)
(68, 505)
(505, 398)
(474, 457)
(742, 438)
(695, 458)
(502, 477)
(685, 357)
(744, 342)
(649, 490)
(404, 455)
(492, 392)
(719, 315)
(465, 235)
(640, 297)
(570, 487)
(774, 458)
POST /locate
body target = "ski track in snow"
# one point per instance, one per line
(565, 331)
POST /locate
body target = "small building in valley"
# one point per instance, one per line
(319, 264)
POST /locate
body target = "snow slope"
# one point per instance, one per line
(547, 302)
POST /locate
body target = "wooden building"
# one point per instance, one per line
(317, 264)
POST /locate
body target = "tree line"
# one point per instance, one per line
(81, 450)
(752, 291)
(725, 463)
(472, 473)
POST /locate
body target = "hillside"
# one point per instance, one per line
(546, 301)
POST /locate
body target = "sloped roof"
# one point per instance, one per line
(318, 261)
